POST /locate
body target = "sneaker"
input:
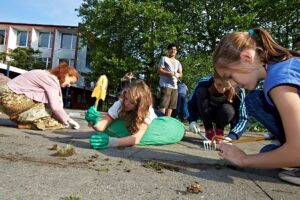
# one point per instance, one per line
(269, 147)
(227, 140)
(210, 133)
(291, 176)
(219, 132)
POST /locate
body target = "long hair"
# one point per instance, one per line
(139, 93)
(62, 70)
(231, 45)
(230, 93)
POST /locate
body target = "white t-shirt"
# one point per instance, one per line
(113, 112)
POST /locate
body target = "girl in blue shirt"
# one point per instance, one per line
(245, 58)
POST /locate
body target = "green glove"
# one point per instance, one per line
(99, 140)
(92, 116)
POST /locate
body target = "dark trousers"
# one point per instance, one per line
(258, 107)
(221, 115)
(182, 111)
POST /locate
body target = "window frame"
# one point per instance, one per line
(18, 38)
(4, 38)
(73, 41)
(47, 62)
(50, 40)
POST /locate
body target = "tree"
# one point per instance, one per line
(126, 36)
(25, 58)
(131, 35)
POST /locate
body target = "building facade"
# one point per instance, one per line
(56, 43)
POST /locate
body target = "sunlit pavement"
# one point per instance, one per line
(31, 170)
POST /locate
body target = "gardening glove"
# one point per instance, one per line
(194, 127)
(101, 140)
(73, 123)
(92, 116)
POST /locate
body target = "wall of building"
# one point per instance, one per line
(56, 52)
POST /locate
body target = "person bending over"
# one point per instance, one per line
(34, 99)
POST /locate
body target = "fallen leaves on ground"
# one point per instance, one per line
(194, 188)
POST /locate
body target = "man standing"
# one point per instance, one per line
(169, 70)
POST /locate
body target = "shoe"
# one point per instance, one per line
(210, 133)
(269, 147)
(291, 176)
(219, 132)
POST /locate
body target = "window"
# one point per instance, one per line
(47, 63)
(2, 37)
(68, 41)
(22, 38)
(45, 39)
(88, 59)
(70, 62)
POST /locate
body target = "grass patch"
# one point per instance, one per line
(72, 198)
(158, 167)
(65, 151)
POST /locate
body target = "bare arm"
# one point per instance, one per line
(126, 141)
(287, 101)
(162, 71)
(180, 73)
(102, 124)
(133, 139)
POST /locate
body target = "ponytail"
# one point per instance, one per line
(268, 49)
(231, 45)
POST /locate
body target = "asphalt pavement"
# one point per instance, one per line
(60, 164)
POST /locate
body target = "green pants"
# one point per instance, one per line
(162, 130)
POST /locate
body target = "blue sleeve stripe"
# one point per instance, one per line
(242, 121)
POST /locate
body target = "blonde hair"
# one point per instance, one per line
(231, 45)
(140, 94)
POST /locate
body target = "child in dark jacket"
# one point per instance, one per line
(217, 102)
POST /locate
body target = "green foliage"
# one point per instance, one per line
(132, 35)
(72, 198)
(25, 58)
(255, 126)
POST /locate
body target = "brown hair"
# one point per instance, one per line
(140, 94)
(62, 70)
(229, 93)
(232, 44)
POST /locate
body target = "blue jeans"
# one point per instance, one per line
(182, 110)
(258, 107)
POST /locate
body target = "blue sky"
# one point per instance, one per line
(51, 12)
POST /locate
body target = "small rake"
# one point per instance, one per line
(211, 145)
(207, 143)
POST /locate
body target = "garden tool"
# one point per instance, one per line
(207, 143)
(212, 145)
(100, 89)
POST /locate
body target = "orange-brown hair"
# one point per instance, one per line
(140, 94)
(232, 44)
(62, 70)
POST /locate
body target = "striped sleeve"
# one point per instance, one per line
(240, 124)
